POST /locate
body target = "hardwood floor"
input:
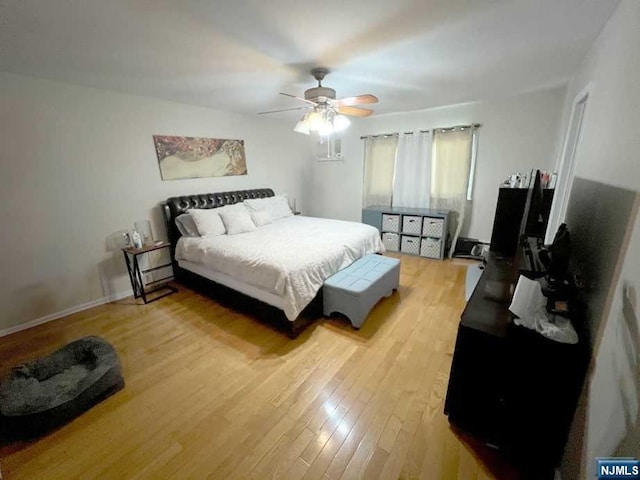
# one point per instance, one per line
(211, 393)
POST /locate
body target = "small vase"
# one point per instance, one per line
(143, 227)
(137, 239)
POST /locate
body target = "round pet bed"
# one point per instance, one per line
(47, 392)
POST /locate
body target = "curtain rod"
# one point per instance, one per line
(443, 129)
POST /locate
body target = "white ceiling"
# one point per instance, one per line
(236, 55)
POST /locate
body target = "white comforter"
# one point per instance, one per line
(291, 257)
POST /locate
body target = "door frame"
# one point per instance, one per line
(567, 164)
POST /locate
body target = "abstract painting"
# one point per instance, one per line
(191, 157)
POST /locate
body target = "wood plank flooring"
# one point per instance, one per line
(212, 393)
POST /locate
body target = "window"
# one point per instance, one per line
(451, 164)
(329, 149)
(422, 170)
(379, 168)
(419, 169)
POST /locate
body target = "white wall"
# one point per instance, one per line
(78, 164)
(608, 420)
(518, 133)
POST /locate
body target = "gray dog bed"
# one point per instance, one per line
(47, 392)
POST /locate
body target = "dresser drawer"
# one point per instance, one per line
(432, 227)
(391, 241)
(411, 224)
(430, 247)
(390, 223)
(410, 245)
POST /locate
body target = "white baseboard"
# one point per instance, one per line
(65, 312)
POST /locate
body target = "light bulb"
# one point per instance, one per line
(340, 123)
(326, 129)
(314, 121)
(301, 127)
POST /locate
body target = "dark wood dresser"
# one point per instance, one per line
(510, 387)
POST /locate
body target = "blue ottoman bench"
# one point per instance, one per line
(48, 392)
(354, 290)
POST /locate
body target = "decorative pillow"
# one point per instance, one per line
(237, 221)
(187, 226)
(208, 221)
(257, 204)
(278, 206)
(226, 208)
(261, 217)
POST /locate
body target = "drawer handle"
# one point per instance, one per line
(411, 220)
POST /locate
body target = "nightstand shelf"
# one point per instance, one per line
(138, 285)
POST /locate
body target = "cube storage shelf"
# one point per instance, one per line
(415, 231)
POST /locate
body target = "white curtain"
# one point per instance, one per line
(379, 168)
(450, 174)
(413, 170)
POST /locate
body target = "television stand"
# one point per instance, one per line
(509, 386)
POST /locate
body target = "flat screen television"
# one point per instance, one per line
(534, 218)
(534, 222)
(507, 221)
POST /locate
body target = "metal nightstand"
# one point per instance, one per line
(135, 274)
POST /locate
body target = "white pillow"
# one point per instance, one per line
(186, 225)
(278, 206)
(261, 217)
(235, 206)
(237, 221)
(207, 221)
(256, 204)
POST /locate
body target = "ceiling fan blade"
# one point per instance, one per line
(283, 110)
(355, 111)
(358, 100)
(298, 98)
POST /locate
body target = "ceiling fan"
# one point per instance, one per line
(328, 114)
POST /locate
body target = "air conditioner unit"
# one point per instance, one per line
(329, 149)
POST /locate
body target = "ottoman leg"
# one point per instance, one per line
(355, 313)
(358, 320)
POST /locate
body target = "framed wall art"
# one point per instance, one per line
(193, 157)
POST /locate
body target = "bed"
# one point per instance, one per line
(283, 264)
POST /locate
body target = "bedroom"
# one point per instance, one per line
(84, 89)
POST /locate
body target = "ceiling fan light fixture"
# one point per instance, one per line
(314, 121)
(340, 123)
(302, 127)
(328, 114)
(326, 129)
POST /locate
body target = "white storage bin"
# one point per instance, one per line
(391, 241)
(390, 223)
(430, 247)
(432, 227)
(410, 245)
(411, 224)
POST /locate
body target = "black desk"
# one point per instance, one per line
(509, 386)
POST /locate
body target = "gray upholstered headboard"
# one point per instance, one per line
(175, 206)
